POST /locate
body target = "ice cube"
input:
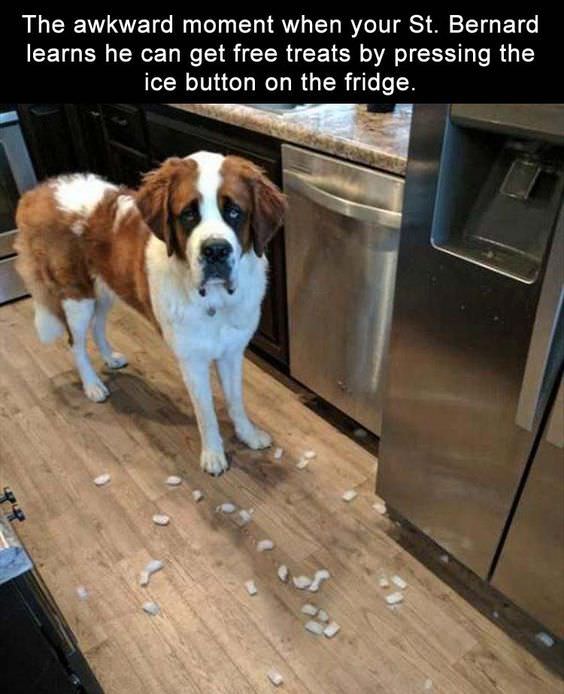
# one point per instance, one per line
(394, 598)
(151, 608)
(310, 610)
(320, 576)
(283, 573)
(349, 495)
(278, 453)
(161, 519)
(309, 455)
(173, 480)
(323, 616)
(251, 587)
(399, 582)
(314, 627)
(275, 677)
(82, 592)
(227, 507)
(197, 495)
(244, 517)
(301, 582)
(265, 545)
(331, 629)
(153, 566)
(101, 480)
(302, 464)
(545, 639)
(380, 507)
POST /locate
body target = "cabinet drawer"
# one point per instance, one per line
(125, 124)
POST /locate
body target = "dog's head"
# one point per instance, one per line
(209, 210)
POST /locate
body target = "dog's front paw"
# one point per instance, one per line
(254, 438)
(116, 361)
(96, 391)
(213, 462)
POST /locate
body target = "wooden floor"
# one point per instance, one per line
(211, 636)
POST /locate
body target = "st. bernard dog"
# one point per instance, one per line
(186, 250)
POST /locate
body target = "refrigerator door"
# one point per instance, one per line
(531, 565)
(452, 454)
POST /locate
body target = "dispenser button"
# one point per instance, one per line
(521, 178)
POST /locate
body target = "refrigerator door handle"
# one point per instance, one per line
(547, 341)
(555, 427)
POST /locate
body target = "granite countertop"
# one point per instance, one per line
(378, 140)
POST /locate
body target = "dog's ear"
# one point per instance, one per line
(154, 198)
(269, 207)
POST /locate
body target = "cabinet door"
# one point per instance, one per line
(531, 565)
(125, 124)
(48, 136)
(127, 165)
(93, 148)
(169, 137)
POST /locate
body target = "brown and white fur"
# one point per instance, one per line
(186, 250)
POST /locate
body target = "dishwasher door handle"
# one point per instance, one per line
(342, 206)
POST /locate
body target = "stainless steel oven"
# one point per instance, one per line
(16, 176)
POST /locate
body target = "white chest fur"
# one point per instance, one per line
(206, 326)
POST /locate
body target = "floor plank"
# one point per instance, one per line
(211, 636)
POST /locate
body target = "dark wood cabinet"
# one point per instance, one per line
(47, 131)
(92, 142)
(127, 165)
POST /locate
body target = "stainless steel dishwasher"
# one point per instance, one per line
(341, 232)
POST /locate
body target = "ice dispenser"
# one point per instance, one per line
(500, 186)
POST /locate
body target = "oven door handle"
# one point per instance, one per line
(347, 208)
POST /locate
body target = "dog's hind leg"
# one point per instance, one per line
(79, 314)
(49, 327)
(104, 301)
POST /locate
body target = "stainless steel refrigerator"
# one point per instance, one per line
(476, 342)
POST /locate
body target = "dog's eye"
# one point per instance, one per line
(190, 215)
(232, 213)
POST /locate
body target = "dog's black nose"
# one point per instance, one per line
(216, 250)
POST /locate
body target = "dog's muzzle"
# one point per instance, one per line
(216, 258)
